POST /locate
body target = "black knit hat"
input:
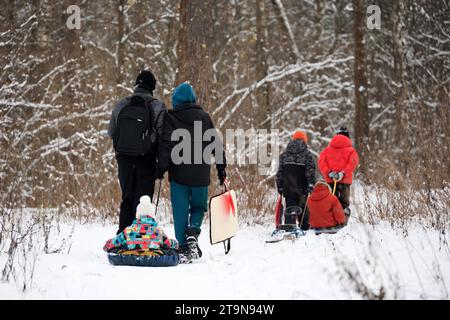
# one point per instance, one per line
(146, 80)
(343, 131)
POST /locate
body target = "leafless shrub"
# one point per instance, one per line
(20, 241)
(255, 196)
(25, 233)
(367, 275)
(401, 200)
(356, 281)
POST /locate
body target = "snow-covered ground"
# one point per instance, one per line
(337, 266)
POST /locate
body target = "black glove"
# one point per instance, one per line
(221, 173)
(159, 173)
(309, 188)
(280, 191)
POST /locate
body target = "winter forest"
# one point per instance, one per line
(277, 65)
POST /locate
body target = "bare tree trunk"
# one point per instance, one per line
(35, 4)
(399, 76)
(263, 110)
(71, 45)
(11, 16)
(318, 20)
(360, 81)
(284, 21)
(71, 41)
(11, 25)
(194, 48)
(120, 33)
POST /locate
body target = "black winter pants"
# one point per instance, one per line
(299, 201)
(342, 193)
(136, 178)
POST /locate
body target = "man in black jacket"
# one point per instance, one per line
(296, 175)
(188, 162)
(137, 173)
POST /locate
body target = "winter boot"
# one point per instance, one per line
(192, 243)
(347, 212)
(184, 254)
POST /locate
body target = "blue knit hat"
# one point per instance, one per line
(184, 93)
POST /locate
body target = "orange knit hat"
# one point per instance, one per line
(300, 135)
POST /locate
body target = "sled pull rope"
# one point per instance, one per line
(334, 186)
(304, 210)
(157, 198)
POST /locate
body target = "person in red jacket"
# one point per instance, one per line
(325, 210)
(337, 163)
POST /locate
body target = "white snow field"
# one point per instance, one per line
(355, 263)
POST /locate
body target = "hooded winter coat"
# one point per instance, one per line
(339, 156)
(325, 210)
(296, 169)
(185, 115)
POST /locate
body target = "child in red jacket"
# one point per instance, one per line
(325, 210)
(337, 163)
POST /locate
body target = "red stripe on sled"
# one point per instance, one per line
(231, 203)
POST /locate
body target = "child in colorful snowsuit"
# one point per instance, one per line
(337, 163)
(143, 235)
(296, 175)
(325, 210)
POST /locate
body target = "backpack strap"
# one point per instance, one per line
(156, 117)
(147, 105)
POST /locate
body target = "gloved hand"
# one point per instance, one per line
(280, 191)
(332, 175)
(339, 176)
(222, 174)
(310, 188)
(159, 173)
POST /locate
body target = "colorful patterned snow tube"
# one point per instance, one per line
(144, 258)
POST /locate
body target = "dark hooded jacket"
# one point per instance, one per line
(192, 173)
(296, 169)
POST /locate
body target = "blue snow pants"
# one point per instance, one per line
(189, 205)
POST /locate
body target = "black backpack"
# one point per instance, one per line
(135, 132)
